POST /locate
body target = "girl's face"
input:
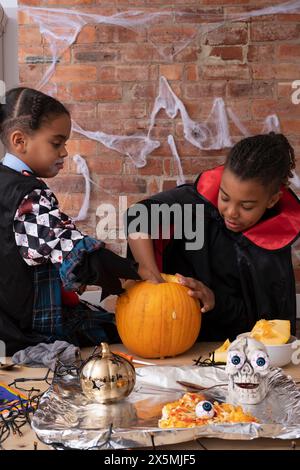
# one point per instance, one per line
(243, 203)
(45, 150)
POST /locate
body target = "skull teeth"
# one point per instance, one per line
(246, 385)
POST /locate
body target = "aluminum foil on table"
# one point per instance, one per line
(65, 418)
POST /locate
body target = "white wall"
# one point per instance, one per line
(10, 41)
(9, 49)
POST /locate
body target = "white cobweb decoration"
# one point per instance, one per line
(137, 147)
(60, 28)
(181, 177)
(213, 134)
(287, 7)
(82, 169)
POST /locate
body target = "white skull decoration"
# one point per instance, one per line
(248, 366)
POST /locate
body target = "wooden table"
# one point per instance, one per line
(26, 442)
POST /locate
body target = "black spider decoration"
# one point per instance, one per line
(208, 361)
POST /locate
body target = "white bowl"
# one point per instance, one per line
(281, 355)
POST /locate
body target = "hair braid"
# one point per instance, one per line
(27, 109)
(36, 111)
(267, 158)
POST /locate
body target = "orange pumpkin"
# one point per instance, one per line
(158, 320)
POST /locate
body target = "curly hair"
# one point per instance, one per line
(27, 109)
(267, 158)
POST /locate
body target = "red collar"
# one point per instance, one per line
(273, 233)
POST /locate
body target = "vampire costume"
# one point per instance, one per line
(250, 273)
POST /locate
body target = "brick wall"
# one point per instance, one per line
(109, 80)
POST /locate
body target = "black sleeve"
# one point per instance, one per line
(268, 285)
(228, 319)
(104, 268)
(267, 292)
(179, 196)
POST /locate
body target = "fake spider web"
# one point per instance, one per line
(60, 29)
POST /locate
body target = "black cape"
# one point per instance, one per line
(17, 288)
(250, 273)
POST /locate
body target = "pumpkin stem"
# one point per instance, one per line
(105, 351)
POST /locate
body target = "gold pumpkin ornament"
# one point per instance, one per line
(158, 320)
(107, 377)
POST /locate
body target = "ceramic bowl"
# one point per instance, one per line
(281, 354)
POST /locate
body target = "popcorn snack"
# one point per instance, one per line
(193, 409)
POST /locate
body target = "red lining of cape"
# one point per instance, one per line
(273, 233)
(159, 246)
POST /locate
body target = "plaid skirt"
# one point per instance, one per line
(86, 325)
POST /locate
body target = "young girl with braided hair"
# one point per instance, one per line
(244, 270)
(41, 250)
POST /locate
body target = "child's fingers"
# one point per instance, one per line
(199, 291)
(206, 308)
(153, 280)
(206, 301)
(189, 282)
(148, 275)
(208, 305)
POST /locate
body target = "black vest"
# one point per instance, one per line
(16, 277)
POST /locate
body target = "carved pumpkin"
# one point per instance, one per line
(107, 377)
(158, 320)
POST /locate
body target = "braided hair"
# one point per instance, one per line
(267, 158)
(27, 109)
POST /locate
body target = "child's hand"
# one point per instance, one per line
(149, 275)
(81, 289)
(199, 291)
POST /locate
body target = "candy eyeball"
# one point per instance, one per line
(260, 361)
(205, 409)
(236, 358)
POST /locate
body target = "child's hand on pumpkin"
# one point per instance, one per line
(199, 291)
(150, 275)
